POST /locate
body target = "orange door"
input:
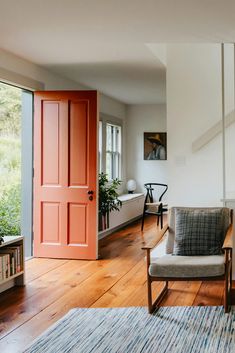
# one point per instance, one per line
(65, 174)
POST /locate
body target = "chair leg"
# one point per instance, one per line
(158, 220)
(153, 305)
(142, 223)
(161, 220)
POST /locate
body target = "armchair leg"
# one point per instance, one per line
(231, 274)
(227, 286)
(226, 306)
(149, 284)
(153, 305)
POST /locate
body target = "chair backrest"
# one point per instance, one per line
(160, 189)
(171, 232)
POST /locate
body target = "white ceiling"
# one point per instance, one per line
(111, 45)
(129, 73)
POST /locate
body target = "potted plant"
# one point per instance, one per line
(108, 199)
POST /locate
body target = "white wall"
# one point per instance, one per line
(20, 70)
(140, 119)
(230, 121)
(193, 107)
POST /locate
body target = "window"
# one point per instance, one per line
(113, 151)
(110, 147)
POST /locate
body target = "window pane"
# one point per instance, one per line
(109, 137)
(100, 136)
(100, 146)
(114, 138)
(119, 144)
(113, 151)
(109, 165)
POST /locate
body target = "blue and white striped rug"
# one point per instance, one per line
(125, 330)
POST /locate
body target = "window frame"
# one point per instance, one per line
(115, 153)
(105, 119)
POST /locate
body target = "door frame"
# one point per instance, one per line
(26, 217)
(28, 86)
(27, 146)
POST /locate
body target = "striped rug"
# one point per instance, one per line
(124, 330)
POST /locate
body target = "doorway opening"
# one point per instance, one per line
(10, 160)
(16, 163)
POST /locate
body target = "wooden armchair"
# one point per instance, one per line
(168, 267)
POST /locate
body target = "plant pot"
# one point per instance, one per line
(103, 221)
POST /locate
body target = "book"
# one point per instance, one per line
(1, 274)
(11, 252)
(5, 264)
(17, 257)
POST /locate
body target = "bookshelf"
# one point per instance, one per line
(16, 279)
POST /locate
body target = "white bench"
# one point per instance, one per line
(132, 209)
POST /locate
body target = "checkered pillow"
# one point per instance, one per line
(198, 232)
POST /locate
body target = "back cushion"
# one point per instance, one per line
(198, 232)
(225, 214)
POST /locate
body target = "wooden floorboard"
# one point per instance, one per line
(117, 279)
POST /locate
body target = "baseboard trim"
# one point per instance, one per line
(109, 231)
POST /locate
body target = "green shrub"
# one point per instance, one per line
(10, 203)
(10, 110)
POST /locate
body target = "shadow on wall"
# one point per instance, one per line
(214, 131)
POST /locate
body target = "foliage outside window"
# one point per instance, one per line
(10, 159)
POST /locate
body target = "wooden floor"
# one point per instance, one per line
(118, 279)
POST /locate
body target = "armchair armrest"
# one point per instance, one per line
(154, 242)
(228, 243)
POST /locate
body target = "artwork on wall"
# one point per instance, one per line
(155, 147)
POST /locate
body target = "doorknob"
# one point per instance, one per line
(90, 193)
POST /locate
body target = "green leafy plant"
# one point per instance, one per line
(108, 198)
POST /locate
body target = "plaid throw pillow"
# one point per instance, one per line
(198, 232)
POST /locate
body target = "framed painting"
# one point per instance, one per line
(155, 146)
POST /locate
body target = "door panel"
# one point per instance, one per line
(78, 142)
(50, 143)
(77, 214)
(50, 223)
(65, 169)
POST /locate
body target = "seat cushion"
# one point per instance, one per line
(198, 232)
(187, 266)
